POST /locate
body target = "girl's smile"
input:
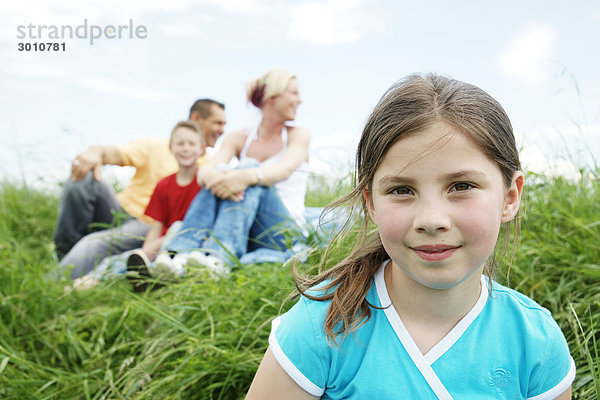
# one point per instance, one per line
(438, 202)
(434, 252)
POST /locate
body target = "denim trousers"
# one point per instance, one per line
(78, 243)
(231, 229)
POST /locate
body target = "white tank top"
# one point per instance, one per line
(292, 190)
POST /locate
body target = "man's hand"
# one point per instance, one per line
(84, 162)
(93, 159)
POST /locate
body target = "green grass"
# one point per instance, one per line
(205, 341)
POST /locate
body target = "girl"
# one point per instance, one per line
(408, 313)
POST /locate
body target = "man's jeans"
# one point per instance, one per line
(226, 228)
(92, 202)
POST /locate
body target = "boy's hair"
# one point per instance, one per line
(203, 107)
(408, 107)
(271, 84)
(194, 126)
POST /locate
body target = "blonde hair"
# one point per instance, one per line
(408, 107)
(271, 84)
(192, 125)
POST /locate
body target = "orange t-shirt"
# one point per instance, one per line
(153, 161)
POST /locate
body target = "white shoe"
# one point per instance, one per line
(215, 266)
(82, 283)
(167, 267)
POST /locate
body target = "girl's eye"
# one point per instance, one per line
(461, 187)
(402, 190)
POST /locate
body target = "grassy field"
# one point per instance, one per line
(204, 340)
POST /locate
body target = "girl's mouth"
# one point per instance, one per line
(435, 252)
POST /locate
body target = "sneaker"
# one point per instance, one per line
(137, 271)
(82, 283)
(215, 265)
(166, 267)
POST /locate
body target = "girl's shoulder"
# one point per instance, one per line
(300, 344)
(531, 334)
(503, 296)
(518, 316)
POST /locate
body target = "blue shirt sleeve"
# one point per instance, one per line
(299, 344)
(555, 371)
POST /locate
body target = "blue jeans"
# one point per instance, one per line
(231, 229)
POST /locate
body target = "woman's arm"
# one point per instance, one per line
(230, 184)
(296, 154)
(271, 382)
(230, 147)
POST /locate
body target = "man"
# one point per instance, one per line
(86, 230)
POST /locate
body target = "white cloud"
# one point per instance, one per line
(112, 86)
(241, 6)
(42, 69)
(534, 159)
(529, 55)
(330, 22)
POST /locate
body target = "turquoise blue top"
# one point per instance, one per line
(506, 347)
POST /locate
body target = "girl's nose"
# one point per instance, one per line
(431, 218)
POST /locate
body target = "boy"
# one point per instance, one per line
(172, 195)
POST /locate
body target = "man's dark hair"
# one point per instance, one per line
(203, 106)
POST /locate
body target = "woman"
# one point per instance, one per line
(253, 206)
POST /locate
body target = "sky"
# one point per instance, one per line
(540, 59)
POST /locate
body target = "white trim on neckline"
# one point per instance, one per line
(459, 329)
(424, 362)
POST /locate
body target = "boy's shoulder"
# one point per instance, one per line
(167, 181)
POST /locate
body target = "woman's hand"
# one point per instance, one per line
(229, 184)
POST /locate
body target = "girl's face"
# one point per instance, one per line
(438, 202)
(186, 147)
(288, 101)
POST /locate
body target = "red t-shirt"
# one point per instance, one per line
(169, 202)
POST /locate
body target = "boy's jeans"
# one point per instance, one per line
(226, 228)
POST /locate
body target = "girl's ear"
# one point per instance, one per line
(369, 202)
(512, 201)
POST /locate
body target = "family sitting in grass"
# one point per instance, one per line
(257, 206)
(413, 310)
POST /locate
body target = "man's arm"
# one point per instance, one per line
(93, 159)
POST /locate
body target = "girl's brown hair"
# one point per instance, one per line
(408, 107)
